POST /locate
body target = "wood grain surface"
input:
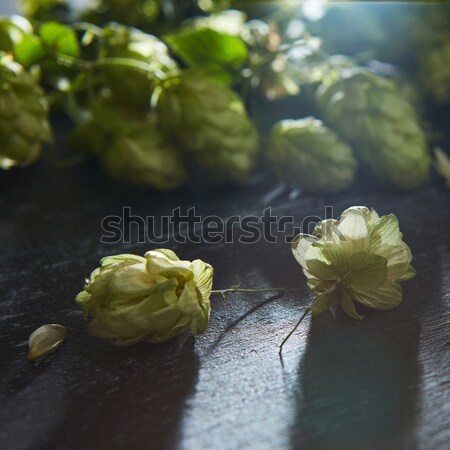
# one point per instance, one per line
(381, 383)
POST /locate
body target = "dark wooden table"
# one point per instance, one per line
(381, 383)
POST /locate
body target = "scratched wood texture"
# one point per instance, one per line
(381, 383)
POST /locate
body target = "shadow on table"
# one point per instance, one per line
(129, 398)
(358, 383)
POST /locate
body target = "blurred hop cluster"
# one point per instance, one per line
(153, 298)
(24, 125)
(359, 258)
(367, 110)
(129, 149)
(307, 153)
(194, 83)
(210, 121)
(435, 69)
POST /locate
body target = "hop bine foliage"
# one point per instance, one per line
(435, 69)
(210, 122)
(307, 153)
(152, 298)
(24, 125)
(381, 126)
(359, 258)
(129, 149)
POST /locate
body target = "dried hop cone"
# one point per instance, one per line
(360, 258)
(307, 153)
(435, 69)
(211, 123)
(24, 125)
(382, 127)
(153, 298)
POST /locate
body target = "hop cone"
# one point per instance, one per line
(382, 126)
(309, 154)
(153, 298)
(24, 123)
(137, 13)
(211, 123)
(435, 69)
(130, 149)
(129, 84)
(45, 10)
(361, 258)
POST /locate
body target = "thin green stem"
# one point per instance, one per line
(223, 292)
(218, 291)
(294, 44)
(292, 331)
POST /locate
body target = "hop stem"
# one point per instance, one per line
(292, 331)
(223, 292)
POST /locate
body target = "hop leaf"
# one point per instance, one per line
(24, 125)
(309, 154)
(152, 298)
(367, 111)
(210, 122)
(218, 53)
(360, 258)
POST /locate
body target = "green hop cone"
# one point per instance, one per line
(130, 85)
(137, 13)
(211, 123)
(360, 258)
(382, 127)
(434, 71)
(307, 153)
(24, 125)
(153, 298)
(45, 10)
(130, 149)
(143, 157)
